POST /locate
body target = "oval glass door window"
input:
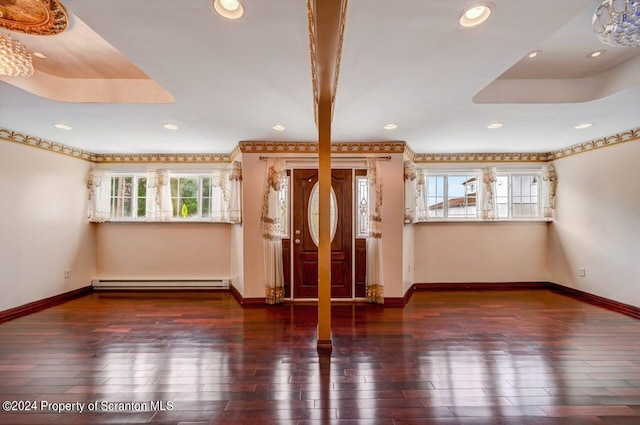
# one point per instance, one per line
(314, 214)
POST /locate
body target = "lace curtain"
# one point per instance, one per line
(489, 209)
(159, 206)
(550, 179)
(410, 177)
(374, 277)
(422, 210)
(99, 196)
(218, 193)
(235, 192)
(275, 181)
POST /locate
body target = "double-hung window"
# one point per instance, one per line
(199, 197)
(163, 196)
(127, 196)
(518, 195)
(192, 197)
(509, 193)
(452, 195)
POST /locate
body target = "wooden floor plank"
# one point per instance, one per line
(525, 357)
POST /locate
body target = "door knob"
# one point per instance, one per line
(297, 241)
(297, 232)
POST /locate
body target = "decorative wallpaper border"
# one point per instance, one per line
(161, 157)
(603, 142)
(312, 148)
(25, 139)
(480, 157)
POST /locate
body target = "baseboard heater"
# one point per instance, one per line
(158, 284)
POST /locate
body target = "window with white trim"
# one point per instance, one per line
(452, 195)
(189, 197)
(518, 194)
(198, 197)
(127, 196)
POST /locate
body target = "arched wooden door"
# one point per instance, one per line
(304, 241)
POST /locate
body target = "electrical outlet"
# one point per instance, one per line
(582, 272)
(67, 274)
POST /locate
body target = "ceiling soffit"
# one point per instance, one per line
(563, 72)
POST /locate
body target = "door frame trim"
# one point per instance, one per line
(353, 169)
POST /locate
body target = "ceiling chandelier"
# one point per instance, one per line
(617, 22)
(15, 59)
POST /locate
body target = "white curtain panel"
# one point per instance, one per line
(235, 192)
(159, 206)
(422, 210)
(99, 196)
(550, 179)
(410, 181)
(275, 179)
(374, 276)
(489, 210)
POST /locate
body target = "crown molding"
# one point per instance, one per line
(312, 148)
(235, 153)
(409, 153)
(25, 139)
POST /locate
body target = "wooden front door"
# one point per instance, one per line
(305, 250)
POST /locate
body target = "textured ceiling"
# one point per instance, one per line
(405, 62)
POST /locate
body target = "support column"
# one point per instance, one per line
(326, 31)
(324, 246)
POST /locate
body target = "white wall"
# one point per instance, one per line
(163, 251)
(480, 252)
(252, 187)
(393, 225)
(43, 225)
(598, 223)
(236, 247)
(408, 267)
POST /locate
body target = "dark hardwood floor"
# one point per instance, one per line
(530, 357)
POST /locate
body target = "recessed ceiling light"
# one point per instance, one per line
(390, 127)
(279, 127)
(230, 9)
(583, 125)
(170, 126)
(534, 54)
(495, 125)
(596, 54)
(475, 15)
(39, 55)
(62, 126)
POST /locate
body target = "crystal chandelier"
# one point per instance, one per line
(15, 59)
(617, 22)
